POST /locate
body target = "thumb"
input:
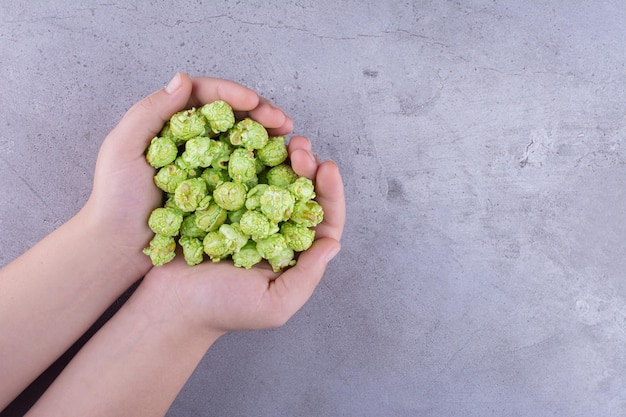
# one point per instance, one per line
(144, 120)
(292, 289)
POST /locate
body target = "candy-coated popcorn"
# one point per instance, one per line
(242, 165)
(235, 238)
(190, 193)
(198, 152)
(274, 248)
(256, 225)
(274, 152)
(307, 213)
(247, 256)
(189, 227)
(281, 176)
(169, 177)
(277, 203)
(302, 189)
(162, 249)
(193, 250)
(215, 246)
(249, 134)
(220, 116)
(165, 221)
(214, 177)
(229, 191)
(253, 198)
(161, 151)
(187, 124)
(210, 219)
(230, 195)
(298, 237)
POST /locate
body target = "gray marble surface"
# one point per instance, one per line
(482, 149)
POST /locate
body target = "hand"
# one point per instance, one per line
(218, 297)
(123, 192)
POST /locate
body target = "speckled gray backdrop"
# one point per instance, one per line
(482, 148)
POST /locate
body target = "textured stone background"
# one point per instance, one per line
(482, 148)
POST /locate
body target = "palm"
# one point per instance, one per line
(219, 296)
(127, 198)
(227, 297)
(124, 193)
(223, 298)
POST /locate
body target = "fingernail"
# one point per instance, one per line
(174, 84)
(332, 253)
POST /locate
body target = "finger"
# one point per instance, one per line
(274, 119)
(299, 142)
(292, 289)
(330, 195)
(303, 161)
(207, 90)
(283, 130)
(244, 101)
(144, 120)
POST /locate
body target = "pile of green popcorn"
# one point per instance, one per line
(229, 192)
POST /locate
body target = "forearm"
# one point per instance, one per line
(51, 295)
(135, 365)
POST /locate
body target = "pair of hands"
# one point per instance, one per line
(218, 297)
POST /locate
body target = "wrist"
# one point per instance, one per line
(124, 261)
(159, 299)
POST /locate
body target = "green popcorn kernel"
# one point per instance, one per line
(235, 238)
(190, 193)
(198, 152)
(272, 246)
(214, 177)
(192, 172)
(161, 151)
(215, 246)
(283, 260)
(219, 114)
(166, 131)
(307, 213)
(169, 177)
(281, 176)
(253, 198)
(298, 237)
(252, 183)
(193, 250)
(165, 221)
(205, 202)
(259, 166)
(187, 124)
(171, 204)
(162, 249)
(230, 195)
(247, 256)
(256, 225)
(242, 165)
(221, 154)
(248, 134)
(277, 203)
(189, 227)
(210, 219)
(302, 189)
(235, 216)
(274, 152)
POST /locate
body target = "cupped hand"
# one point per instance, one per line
(123, 192)
(219, 297)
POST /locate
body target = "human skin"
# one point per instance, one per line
(138, 362)
(55, 291)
